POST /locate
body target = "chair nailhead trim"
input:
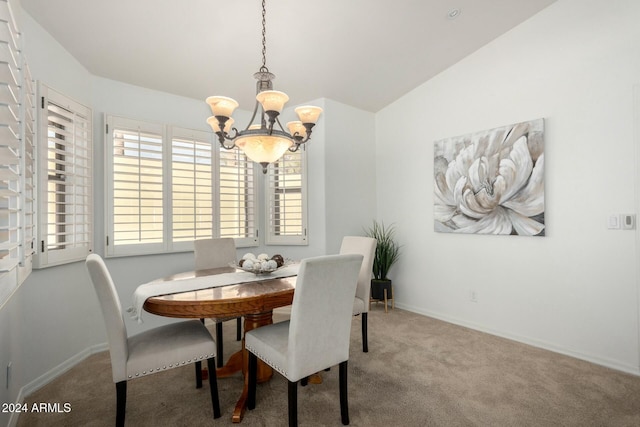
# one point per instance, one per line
(171, 365)
(267, 361)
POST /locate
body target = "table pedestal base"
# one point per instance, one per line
(239, 361)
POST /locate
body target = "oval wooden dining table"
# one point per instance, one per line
(255, 301)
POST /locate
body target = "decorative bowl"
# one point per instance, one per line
(261, 266)
(255, 271)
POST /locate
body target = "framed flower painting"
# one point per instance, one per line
(491, 182)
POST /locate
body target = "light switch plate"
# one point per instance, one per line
(613, 222)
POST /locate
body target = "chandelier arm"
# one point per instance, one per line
(223, 136)
(253, 116)
(235, 134)
(302, 141)
(282, 127)
(295, 146)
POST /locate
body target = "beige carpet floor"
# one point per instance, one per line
(419, 372)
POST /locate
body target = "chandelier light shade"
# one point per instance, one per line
(264, 140)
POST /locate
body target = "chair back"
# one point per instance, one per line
(214, 253)
(365, 246)
(321, 313)
(112, 313)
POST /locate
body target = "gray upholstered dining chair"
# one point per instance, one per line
(365, 246)
(215, 253)
(318, 334)
(152, 351)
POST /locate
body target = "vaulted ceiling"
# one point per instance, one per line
(365, 53)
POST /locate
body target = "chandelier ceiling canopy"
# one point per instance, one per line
(264, 140)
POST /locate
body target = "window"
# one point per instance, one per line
(65, 201)
(135, 180)
(167, 186)
(286, 200)
(237, 198)
(192, 185)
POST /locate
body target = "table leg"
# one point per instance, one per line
(240, 361)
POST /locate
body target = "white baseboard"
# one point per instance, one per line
(52, 374)
(613, 364)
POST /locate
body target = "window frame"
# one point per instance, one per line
(112, 249)
(175, 132)
(271, 236)
(168, 133)
(81, 114)
(252, 237)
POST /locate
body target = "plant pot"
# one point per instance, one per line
(378, 286)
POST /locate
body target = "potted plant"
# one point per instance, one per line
(387, 253)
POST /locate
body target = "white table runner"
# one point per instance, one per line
(155, 288)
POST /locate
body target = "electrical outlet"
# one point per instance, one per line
(628, 221)
(473, 296)
(8, 375)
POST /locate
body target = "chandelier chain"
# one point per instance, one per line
(264, 37)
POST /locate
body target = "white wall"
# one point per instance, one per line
(574, 64)
(350, 178)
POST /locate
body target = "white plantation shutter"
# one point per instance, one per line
(65, 232)
(286, 200)
(9, 154)
(135, 180)
(9, 190)
(9, 143)
(168, 186)
(17, 161)
(192, 185)
(237, 198)
(27, 165)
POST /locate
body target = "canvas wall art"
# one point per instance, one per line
(491, 182)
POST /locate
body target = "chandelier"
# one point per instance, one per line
(263, 142)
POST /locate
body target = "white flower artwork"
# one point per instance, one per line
(491, 182)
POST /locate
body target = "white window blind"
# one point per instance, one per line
(286, 200)
(237, 198)
(192, 185)
(65, 201)
(135, 187)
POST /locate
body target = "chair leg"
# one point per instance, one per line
(304, 381)
(121, 402)
(344, 404)
(365, 338)
(198, 366)
(219, 338)
(239, 329)
(253, 374)
(213, 386)
(293, 403)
